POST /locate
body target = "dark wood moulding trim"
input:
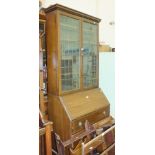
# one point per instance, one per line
(71, 11)
(41, 16)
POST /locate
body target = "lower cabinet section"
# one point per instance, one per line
(70, 112)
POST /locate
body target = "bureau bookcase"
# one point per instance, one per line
(73, 67)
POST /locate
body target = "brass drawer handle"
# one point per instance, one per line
(87, 97)
(80, 124)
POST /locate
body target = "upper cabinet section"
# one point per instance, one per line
(72, 46)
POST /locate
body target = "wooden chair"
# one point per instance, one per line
(45, 141)
(104, 129)
(106, 139)
(109, 151)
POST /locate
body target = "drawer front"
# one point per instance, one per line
(79, 124)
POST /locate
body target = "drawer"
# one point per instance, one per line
(79, 124)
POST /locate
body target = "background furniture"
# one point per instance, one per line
(45, 142)
(42, 67)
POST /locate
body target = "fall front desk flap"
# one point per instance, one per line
(83, 103)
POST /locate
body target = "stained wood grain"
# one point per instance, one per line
(84, 102)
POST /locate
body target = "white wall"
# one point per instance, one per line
(107, 77)
(105, 11)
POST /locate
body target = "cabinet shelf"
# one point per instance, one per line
(67, 40)
(89, 31)
(69, 26)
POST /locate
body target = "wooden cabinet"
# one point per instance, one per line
(73, 62)
(72, 50)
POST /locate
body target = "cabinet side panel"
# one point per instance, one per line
(58, 115)
(52, 52)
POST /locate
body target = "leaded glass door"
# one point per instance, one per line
(90, 55)
(70, 53)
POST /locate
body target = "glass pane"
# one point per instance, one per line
(70, 53)
(89, 55)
